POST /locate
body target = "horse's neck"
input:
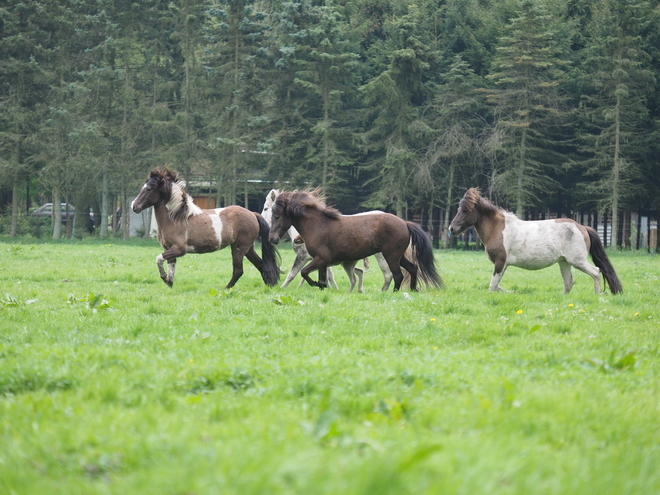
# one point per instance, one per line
(490, 227)
(300, 225)
(162, 214)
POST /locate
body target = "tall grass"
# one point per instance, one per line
(111, 382)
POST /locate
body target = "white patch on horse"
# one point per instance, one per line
(136, 197)
(216, 222)
(535, 245)
(373, 212)
(176, 200)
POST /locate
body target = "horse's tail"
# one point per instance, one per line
(423, 256)
(602, 261)
(270, 256)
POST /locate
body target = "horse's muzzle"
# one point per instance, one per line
(273, 239)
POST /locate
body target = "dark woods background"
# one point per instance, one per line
(550, 106)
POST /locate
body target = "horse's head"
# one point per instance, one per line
(280, 217)
(267, 212)
(158, 186)
(467, 214)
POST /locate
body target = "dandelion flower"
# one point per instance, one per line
(636, 314)
(570, 305)
(519, 312)
(433, 319)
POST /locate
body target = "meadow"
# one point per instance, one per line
(113, 383)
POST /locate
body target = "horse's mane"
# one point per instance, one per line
(297, 203)
(473, 200)
(271, 197)
(180, 205)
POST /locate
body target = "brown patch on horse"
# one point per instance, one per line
(582, 228)
(490, 232)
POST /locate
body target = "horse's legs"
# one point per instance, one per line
(495, 281)
(566, 274)
(168, 277)
(586, 267)
(237, 255)
(360, 275)
(411, 268)
(393, 260)
(302, 257)
(352, 271)
(331, 280)
(310, 267)
(387, 274)
(170, 255)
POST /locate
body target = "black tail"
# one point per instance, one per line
(423, 256)
(601, 260)
(270, 256)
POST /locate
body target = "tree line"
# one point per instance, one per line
(547, 105)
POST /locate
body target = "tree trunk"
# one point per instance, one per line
(14, 207)
(616, 173)
(57, 214)
(450, 187)
(105, 205)
(520, 201)
(125, 216)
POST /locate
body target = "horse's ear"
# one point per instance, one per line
(273, 195)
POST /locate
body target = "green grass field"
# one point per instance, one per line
(111, 382)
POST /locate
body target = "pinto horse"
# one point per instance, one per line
(303, 256)
(332, 238)
(534, 244)
(184, 227)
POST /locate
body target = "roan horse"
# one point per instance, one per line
(184, 227)
(303, 256)
(332, 238)
(534, 244)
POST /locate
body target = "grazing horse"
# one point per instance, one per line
(184, 227)
(303, 256)
(534, 244)
(332, 238)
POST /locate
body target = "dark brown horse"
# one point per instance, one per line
(332, 238)
(534, 244)
(183, 227)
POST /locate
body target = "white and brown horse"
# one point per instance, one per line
(534, 245)
(183, 227)
(332, 238)
(303, 256)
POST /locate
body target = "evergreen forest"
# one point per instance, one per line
(399, 105)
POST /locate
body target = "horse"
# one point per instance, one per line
(534, 244)
(332, 238)
(303, 256)
(184, 227)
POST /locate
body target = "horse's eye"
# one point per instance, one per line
(265, 209)
(276, 217)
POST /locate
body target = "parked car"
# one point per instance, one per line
(46, 210)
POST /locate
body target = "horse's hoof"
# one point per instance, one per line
(169, 283)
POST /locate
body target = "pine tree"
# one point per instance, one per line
(233, 64)
(394, 100)
(453, 157)
(615, 116)
(528, 69)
